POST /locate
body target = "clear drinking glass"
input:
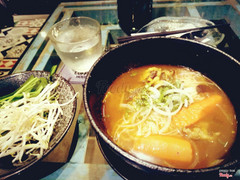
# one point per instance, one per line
(77, 41)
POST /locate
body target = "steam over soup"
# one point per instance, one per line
(171, 116)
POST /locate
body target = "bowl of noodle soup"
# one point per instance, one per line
(165, 107)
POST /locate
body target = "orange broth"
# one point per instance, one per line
(199, 135)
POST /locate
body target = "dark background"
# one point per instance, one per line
(8, 8)
(33, 6)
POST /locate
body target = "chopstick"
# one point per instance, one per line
(152, 34)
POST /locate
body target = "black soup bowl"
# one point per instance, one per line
(213, 63)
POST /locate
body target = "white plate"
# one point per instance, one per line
(164, 24)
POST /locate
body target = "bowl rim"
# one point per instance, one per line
(127, 155)
(49, 150)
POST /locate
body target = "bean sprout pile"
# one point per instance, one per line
(27, 124)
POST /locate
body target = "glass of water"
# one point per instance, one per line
(77, 41)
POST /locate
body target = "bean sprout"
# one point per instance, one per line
(26, 125)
